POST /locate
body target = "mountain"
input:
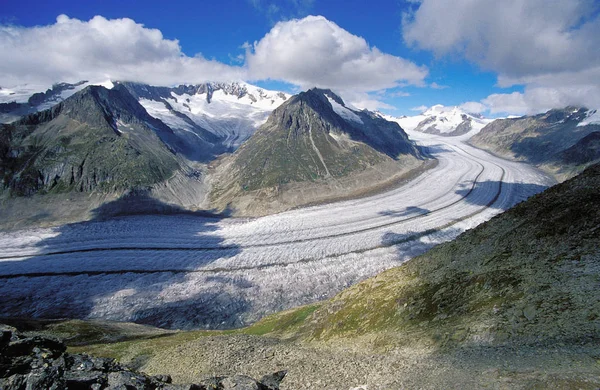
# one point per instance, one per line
(560, 141)
(312, 148)
(448, 121)
(230, 111)
(98, 139)
(224, 114)
(23, 100)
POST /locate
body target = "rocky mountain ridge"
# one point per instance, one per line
(313, 139)
(98, 139)
(560, 141)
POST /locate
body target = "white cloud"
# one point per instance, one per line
(99, 49)
(473, 107)
(419, 108)
(316, 52)
(539, 99)
(308, 52)
(550, 46)
(435, 85)
(365, 101)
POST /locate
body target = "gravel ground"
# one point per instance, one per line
(330, 367)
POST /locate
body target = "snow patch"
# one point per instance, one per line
(345, 113)
(22, 93)
(444, 119)
(592, 118)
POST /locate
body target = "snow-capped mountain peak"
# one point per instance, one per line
(592, 118)
(444, 120)
(20, 100)
(231, 111)
(340, 108)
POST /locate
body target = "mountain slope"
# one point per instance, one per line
(528, 275)
(23, 100)
(221, 114)
(312, 148)
(98, 139)
(548, 140)
(447, 121)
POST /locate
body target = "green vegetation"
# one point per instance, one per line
(305, 141)
(283, 323)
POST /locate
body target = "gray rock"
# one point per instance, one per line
(42, 363)
(273, 381)
(125, 380)
(240, 382)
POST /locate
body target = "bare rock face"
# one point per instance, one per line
(315, 142)
(42, 363)
(96, 140)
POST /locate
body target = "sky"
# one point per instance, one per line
(497, 58)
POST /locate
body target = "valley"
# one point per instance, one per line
(289, 195)
(190, 271)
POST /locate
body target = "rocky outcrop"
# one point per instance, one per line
(42, 363)
(96, 140)
(313, 148)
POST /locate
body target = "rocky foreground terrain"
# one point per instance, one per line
(42, 363)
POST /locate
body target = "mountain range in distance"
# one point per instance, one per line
(442, 120)
(242, 150)
(131, 139)
(562, 142)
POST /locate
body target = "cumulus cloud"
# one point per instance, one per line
(363, 100)
(473, 107)
(538, 99)
(550, 46)
(435, 85)
(317, 52)
(100, 49)
(306, 52)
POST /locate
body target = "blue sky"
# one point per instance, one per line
(430, 60)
